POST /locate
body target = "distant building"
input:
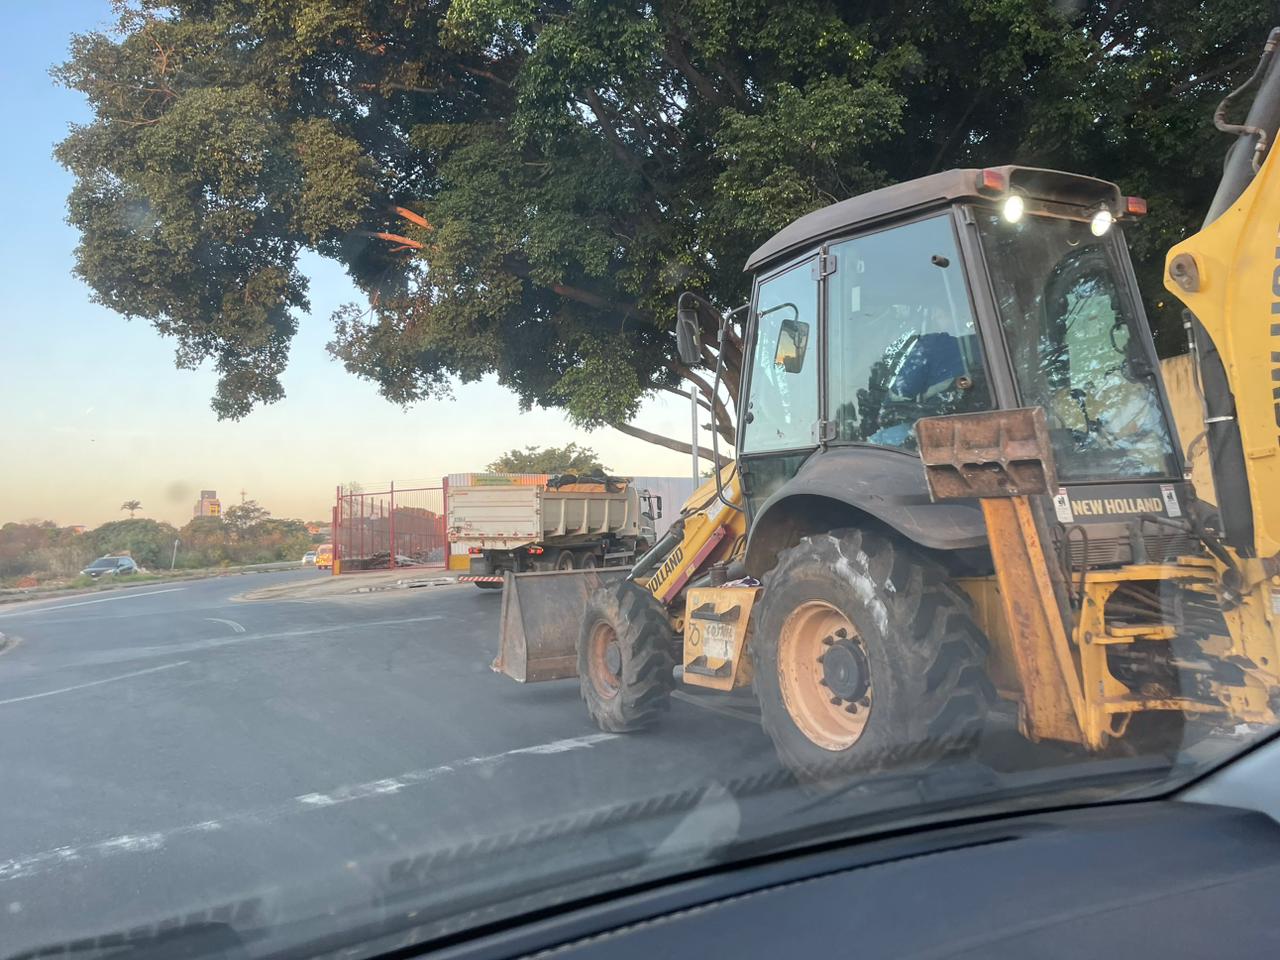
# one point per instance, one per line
(208, 505)
(77, 528)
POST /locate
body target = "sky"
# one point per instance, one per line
(95, 412)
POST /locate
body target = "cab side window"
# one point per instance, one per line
(902, 340)
(782, 403)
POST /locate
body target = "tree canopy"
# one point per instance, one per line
(244, 518)
(570, 458)
(522, 189)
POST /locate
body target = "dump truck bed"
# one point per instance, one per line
(496, 517)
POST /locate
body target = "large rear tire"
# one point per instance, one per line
(625, 659)
(866, 658)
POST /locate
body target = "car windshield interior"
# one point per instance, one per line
(464, 487)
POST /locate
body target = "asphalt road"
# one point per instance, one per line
(168, 749)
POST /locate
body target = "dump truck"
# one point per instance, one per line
(544, 614)
(534, 522)
(962, 484)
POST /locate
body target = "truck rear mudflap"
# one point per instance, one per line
(541, 618)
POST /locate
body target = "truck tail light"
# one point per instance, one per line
(475, 550)
(534, 550)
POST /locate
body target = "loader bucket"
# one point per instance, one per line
(541, 618)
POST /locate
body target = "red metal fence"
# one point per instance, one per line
(389, 528)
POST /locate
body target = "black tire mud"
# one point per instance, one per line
(633, 693)
(929, 689)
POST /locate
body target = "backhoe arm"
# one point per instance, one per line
(1228, 275)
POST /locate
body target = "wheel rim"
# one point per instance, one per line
(605, 660)
(824, 675)
(564, 561)
(589, 561)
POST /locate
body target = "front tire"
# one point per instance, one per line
(866, 658)
(625, 661)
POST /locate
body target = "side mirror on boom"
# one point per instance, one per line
(688, 333)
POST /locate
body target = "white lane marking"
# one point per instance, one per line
(725, 711)
(230, 623)
(132, 654)
(150, 842)
(93, 683)
(389, 785)
(561, 746)
(85, 603)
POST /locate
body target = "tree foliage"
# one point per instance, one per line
(570, 458)
(522, 189)
(244, 518)
(132, 506)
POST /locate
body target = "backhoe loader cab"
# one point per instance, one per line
(962, 482)
(967, 291)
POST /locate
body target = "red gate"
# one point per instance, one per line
(389, 528)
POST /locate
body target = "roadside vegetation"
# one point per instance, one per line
(42, 553)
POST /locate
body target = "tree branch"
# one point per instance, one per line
(625, 154)
(521, 269)
(659, 440)
(620, 149)
(1210, 75)
(673, 53)
(955, 132)
(486, 74)
(676, 391)
(724, 419)
(593, 299)
(735, 84)
(392, 238)
(412, 217)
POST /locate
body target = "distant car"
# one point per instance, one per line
(324, 556)
(309, 557)
(110, 566)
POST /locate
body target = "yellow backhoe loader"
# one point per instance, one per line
(960, 480)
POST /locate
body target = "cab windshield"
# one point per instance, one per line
(1071, 327)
